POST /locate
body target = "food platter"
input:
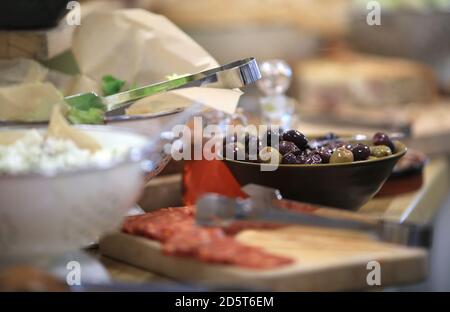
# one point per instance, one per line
(288, 258)
(269, 208)
(320, 268)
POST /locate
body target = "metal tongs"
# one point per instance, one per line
(233, 75)
(217, 210)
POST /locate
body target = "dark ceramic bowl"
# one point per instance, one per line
(30, 14)
(346, 186)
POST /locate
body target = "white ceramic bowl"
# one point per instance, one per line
(49, 215)
(154, 126)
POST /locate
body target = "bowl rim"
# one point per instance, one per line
(107, 119)
(133, 155)
(348, 164)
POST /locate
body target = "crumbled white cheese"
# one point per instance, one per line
(35, 153)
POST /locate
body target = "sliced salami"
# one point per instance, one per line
(176, 230)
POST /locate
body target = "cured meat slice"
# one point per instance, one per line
(161, 223)
(176, 230)
(187, 241)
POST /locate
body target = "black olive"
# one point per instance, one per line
(360, 151)
(296, 137)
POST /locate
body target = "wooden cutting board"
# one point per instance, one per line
(325, 260)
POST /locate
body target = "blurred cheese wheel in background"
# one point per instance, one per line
(364, 80)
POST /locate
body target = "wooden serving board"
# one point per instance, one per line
(325, 260)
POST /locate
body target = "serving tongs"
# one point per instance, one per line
(233, 75)
(263, 206)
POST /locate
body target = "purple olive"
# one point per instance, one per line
(287, 147)
(381, 138)
(313, 159)
(296, 137)
(290, 159)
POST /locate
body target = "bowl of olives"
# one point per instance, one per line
(337, 171)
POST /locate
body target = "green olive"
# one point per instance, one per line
(380, 151)
(341, 155)
(270, 155)
(372, 158)
(399, 146)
